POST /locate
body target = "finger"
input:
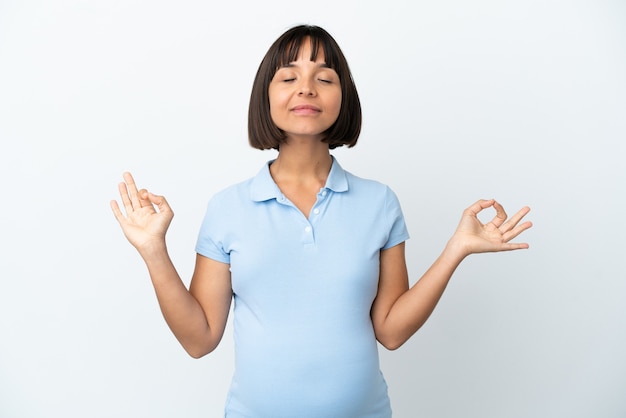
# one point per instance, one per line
(515, 219)
(116, 211)
(144, 199)
(128, 206)
(133, 193)
(500, 217)
(480, 205)
(159, 201)
(514, 246)
(516, 231)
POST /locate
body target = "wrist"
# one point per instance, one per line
(456, 250)
(154, 249)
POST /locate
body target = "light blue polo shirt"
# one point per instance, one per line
(303, 288)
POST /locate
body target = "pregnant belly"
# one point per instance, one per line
(323, 381)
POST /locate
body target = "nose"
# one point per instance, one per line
(306, 88)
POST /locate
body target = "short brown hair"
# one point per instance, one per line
(262, 131)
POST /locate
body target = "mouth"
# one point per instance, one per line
(305, 109)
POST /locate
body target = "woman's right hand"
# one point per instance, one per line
(147, 215)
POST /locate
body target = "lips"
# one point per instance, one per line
(305, 109)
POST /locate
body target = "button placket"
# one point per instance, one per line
(309, 232)
(308, 238)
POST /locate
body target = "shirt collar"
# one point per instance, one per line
(264, 188)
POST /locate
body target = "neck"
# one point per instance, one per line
(303, 161)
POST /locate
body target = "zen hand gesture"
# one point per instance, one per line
(475, 237)
(147, 216)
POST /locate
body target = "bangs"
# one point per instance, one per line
(292, 46)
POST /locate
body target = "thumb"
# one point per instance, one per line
(143, 196)
(159, 201)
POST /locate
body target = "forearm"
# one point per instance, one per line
(182, 312)
(398, 312)
(411, 310)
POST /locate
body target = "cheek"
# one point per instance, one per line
(277, 114)
(276, 98)
(273, 103)
(338, 100)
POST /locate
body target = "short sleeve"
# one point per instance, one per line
(397, 228)
(211, 238)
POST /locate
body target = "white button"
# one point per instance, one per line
(316, 211)
(324, 192)
(307, 229)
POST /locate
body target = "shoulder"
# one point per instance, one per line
(259, 185)
(369, 188)
(233, 191)
(357, 181)
(230, 198)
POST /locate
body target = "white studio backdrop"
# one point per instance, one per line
(524, 101)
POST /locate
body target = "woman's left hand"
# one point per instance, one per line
(472, 236)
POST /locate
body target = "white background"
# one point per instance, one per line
(523, 101)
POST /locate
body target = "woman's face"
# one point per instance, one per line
(305, 96)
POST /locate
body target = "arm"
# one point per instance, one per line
(398, 312)
(197, 316)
